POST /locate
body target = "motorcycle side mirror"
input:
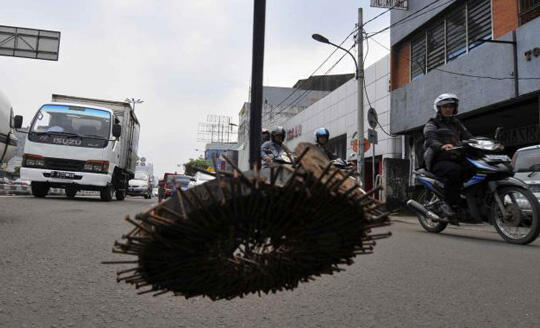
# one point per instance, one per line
(17, 121)
(117, 130)
(498, 133)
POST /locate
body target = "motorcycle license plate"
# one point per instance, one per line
(502, 158)
(62, 175)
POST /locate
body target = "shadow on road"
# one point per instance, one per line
(96, 199)
(496, 240)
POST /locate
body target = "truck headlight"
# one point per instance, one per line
(96, 166)
(31, 160)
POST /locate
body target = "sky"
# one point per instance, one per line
(185, 59)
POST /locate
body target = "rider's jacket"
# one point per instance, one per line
(331, 156)
(439, 131)
(272, 149)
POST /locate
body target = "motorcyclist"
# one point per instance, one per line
(442, 133)
(274, 147)
(321, 140)
(265, 135)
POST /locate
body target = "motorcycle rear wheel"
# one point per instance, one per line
(426, 197)
(522, 223)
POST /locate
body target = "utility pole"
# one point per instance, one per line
(360, 80)
(255, 121)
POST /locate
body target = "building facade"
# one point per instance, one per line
(338, 113)
(449, 48)
(279, 105)
(214, 154)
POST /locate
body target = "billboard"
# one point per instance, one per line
(29, 43)
(394, 4)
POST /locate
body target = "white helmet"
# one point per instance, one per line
(446, 98)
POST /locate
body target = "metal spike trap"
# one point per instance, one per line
(253, 232)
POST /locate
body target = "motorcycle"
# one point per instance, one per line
(491, 195)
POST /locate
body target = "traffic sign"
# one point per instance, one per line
(372, 136)
(372, 118)
(354, 144)
(393, 4)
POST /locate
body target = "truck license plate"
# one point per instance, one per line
(62, 175)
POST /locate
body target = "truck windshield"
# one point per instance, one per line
(140, 176)
(79, 121)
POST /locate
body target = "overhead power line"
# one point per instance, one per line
(456, 73)
(311, 75)
(413, 15)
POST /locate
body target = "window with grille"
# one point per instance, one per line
(463, 28)
(418, 56)
(435, 45)
(479, 21)
(528, 10)
(456, 41)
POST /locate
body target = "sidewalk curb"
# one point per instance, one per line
(463, 226)
(26, 190)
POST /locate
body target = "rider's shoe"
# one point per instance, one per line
(449, 213)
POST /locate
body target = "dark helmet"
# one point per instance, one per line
(265, 135)
(321, 132)
(279, 130)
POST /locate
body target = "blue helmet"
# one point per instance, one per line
(321, 132)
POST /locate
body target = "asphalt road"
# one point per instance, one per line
(51, 276)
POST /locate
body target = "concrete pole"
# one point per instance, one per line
(360, 80)
(373, 167)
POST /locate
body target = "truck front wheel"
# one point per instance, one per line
(107, 193)
(39, 189)
(120, 194)
(71, 192)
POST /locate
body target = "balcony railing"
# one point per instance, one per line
(528, 10)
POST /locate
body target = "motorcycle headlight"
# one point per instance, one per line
(486, 145)
(497, 158)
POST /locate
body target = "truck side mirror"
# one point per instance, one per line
(117, 130)
(18, 120)
(498, 133)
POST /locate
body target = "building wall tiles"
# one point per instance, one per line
(505, 17)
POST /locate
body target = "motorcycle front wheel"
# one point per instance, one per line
(428, 199)
(520, 224)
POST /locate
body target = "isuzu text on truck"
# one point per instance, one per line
(81, 144)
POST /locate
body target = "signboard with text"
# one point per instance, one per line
(393, 4)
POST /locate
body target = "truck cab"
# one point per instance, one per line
(80, 146)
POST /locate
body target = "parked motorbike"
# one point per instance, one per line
(491, 195)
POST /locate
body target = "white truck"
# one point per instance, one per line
(8, 141)
(81, 144)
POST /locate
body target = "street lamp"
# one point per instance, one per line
(230, 130)
(134, 101)
(359, 74)
(202, 152)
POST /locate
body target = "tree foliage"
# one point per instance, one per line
(190, 168)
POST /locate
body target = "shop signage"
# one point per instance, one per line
(294, 132)
(394, 4)
(520, 136)
(532, 52)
